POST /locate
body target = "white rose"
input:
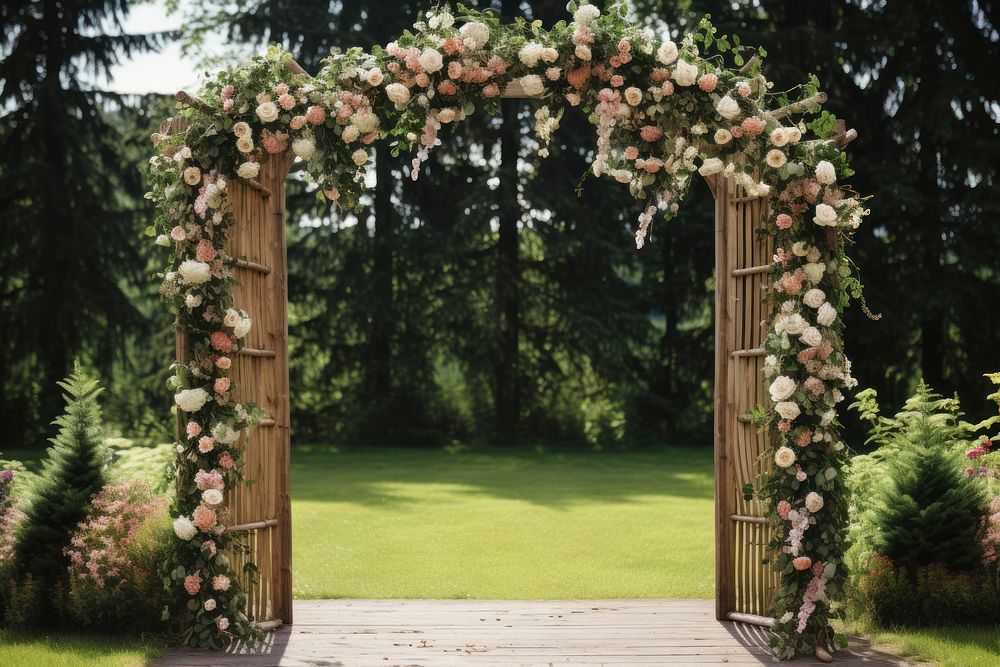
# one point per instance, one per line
(242, 328)
(827, 417)
(633, 96)
(231, 317)
(800, 249)
(770, 365)
(779, 136)
(825, 173)
(374, 76)
(793, 324)
(728, 108)
(532, 85)
(212, 496)
(814, 502)
(184, 528)
(814, 271)
(787, 410)
(248, 170)
(244, 144)
(574, 99)
(210, 604)
(365, 121)
(225, 434)
(478, 32)
(164, 240)
(794, 134)
(267, 112)
(782, 388)
(811, 336)
(304, 147)
(775, 159)
(723, 136)
(826, 215)
(712, 165)
(685, 74)
(194, 272)
(814, 298)
(241, 129)
(446, 115)
(431, 60)
(667, 53)
(784, 457)
(192, 300)
(359, 156)
(398, 94)
(827, 315)
(191, 400)
(586, 14)
(582, 52)
(192, 175)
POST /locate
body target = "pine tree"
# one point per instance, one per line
(72, 473)
(929, 513)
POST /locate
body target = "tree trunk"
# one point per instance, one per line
(507, 271)
(378, 366)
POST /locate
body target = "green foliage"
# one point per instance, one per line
(73, 471)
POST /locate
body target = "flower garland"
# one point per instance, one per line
(662, 112)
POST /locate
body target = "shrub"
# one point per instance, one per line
(73, 471)
(113, 557)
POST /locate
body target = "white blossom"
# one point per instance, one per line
(784, 457)
(194, 272)
(826, 173)
(814, 502)
(782, 388)
(184, 528)
(191, 400)
(267, 112)
(787, 409)
(728, 108)
(685, 74)
(667, 53)
(827, 315)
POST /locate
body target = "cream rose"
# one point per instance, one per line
(359, 156)
(194, 272)
(723, 136)
(826, 215)
(446, 115)
(478, 32)
(244, 144)
(814, 271)
(827, 315)
(792, 324)
(241, 129)
(582, 52)
(374, 76)
(248, 170)
(267, 112)
(685, 74)
(787, 410)
(304, 147)
(633, 96)
(184, 528)
(586, 14)
(775, 159)
(210, 604)
(398, 94)
(242, 328)
(667, 53)
(811, 336)
(191, 400)
(825, 173)
(212, 497)
(770, 365)
(814, 298)
(728, 108)
(350, 134)
(782, 388)
(231, 318)
(712, 165)
(814, 502)
(784, 457)
(530, 54)
(431, 60)
(779, 136)
(192, 175)
(532, 85)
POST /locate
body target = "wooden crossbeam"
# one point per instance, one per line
(255, 185)
(753, 352)
(266, 421)
(255, 352)
(253, 525)
(752, 270)
(800, 106)
(252, 266)
(743, 518)
(752, 619)
(193, 102)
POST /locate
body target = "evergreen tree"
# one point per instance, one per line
(72, 473)
(71, 226)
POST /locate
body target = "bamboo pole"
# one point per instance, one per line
(193, 102)
(800, 106)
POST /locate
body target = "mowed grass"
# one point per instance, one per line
(42, 649)
(502, 524)
(952, 646)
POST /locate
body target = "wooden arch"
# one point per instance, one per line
(744, 580)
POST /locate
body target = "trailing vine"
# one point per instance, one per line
(662, 110)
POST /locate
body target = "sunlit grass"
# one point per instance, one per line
(40, 649)
(952, 646)
(502, 524)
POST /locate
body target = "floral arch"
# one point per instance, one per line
(663, 111)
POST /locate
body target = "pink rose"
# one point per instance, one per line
(178, 234)
(221, 385)
(491, 90)
(193, 429)
(784, 507)
(220, 582)
(668, 88)
(617, 81)
(784, 221)
(297, 122)
(224, 363)
(743, 89)
(222, 341)
(205, 518)
(802, 563)
(192, 583)
(447, 87)
(206, 251)
(650, 133)
(631, 153)
(659, 75)
(752, 125)
(227, 92)
(226, 460)
(286, 101)
(316, 114)
(227, 105)
(206, 444)
(708, 82)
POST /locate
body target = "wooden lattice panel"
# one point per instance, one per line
(744, 579)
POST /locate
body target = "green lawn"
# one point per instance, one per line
(41, 649)
(384, 523)
(948, 646)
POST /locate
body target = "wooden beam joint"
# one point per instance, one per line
(252, 266)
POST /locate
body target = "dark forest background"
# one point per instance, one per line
(488, 301)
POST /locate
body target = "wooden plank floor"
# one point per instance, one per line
(358, 633)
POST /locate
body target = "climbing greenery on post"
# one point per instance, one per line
(663, 112)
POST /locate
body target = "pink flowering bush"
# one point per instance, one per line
(113, 556)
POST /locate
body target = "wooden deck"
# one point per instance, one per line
(359, 633)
